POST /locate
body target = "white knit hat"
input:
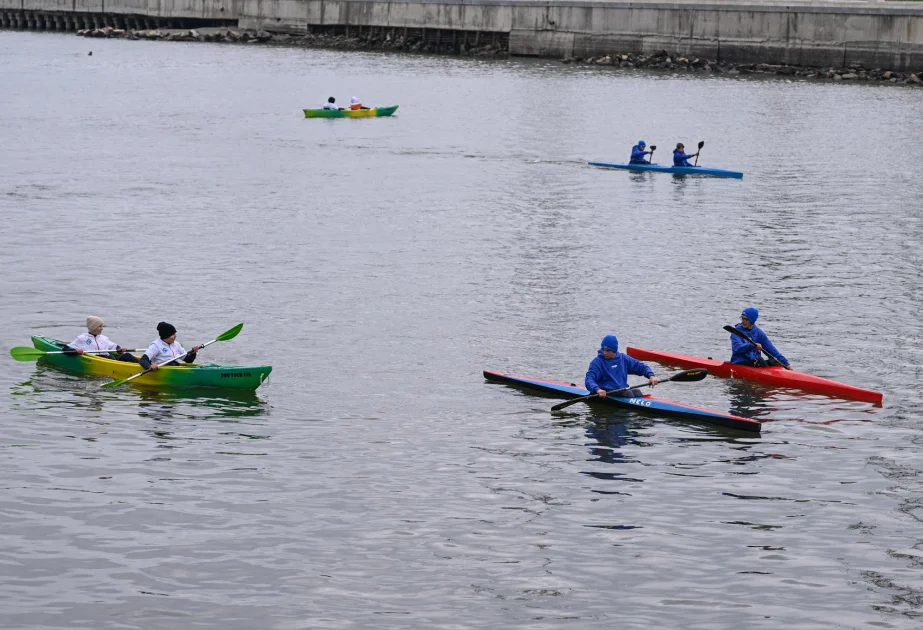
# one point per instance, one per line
(93, 322)
(354, 100)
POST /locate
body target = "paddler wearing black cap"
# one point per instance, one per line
(610, 369)
(745, 353)
(165, 348)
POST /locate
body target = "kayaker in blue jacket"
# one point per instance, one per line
(610, 369)
(745, 353)
(680, 157)
(638, 152)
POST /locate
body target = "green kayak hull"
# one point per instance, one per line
(190, 375)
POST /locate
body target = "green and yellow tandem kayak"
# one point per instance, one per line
(184, 375)
(350, 113)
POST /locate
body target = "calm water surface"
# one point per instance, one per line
(379, 265)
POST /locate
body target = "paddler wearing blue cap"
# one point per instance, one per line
(745, 353)
(680, 157)
(638, 152)
(610, 369)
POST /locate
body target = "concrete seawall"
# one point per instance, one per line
(819, 34)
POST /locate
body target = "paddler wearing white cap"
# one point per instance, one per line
(94, 339)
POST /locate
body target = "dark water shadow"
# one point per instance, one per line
(52, 388)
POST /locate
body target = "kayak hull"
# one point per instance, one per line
(185, 376)
(676, 170)
(350, 113)
(645, 404)
(769, 375)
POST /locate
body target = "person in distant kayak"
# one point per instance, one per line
(638, 152)
(165, 348)
(610, 369)
(331, 104)
(745, 353)
(680, 157)
(355, 104)
(94, 339)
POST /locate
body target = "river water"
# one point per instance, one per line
(379, 266)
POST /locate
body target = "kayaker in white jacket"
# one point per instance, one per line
(165, 348)
(331, 104)
(95, 340)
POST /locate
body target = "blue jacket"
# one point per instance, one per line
(609, 375)
(682, 159)
(742, 351)
(637, 154)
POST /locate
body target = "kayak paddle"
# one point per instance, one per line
(225, 336)
(740, 333)
(685, 376)
(25, 353)
(650, 160)
(701, 144)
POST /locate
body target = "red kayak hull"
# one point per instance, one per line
(769, 375)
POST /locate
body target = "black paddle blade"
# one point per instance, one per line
(738, 332)
(701, 143)
(653, 147)
(688, 376)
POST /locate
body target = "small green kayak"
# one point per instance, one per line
(350, 113)
(183, 375)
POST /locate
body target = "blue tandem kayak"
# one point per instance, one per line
(678, 170)
(647, 403)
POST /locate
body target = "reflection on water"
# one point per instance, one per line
(749, 400)
(52, 388)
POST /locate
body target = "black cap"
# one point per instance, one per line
(165, 330)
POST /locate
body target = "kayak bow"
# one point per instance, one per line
(647, 403)
(774, 375)
(678, 170)
(184, 375)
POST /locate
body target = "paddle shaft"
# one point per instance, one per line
(696, 374)
(701, 144)
(24, 353)
(650, 160)
(740, 333)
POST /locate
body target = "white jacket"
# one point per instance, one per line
(161, 352)
(86, 341)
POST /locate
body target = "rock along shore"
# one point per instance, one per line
(660, 60)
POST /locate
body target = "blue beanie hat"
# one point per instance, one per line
(642, 143)
(751, 314)
(610, 342)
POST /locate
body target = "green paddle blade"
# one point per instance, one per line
(230, 334)
(24, 353)
(116, 383)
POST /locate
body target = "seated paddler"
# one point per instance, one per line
(680, 157)
(638, 152)
(96, 343)
(332, 104)
(166, 349)
(745, 353)
(610, 370)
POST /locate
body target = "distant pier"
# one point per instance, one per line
(838, 34)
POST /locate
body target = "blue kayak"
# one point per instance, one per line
(678, 170)
(647, 403)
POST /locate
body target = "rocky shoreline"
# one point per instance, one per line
(378, 41)
(660, 60)
(663, 60)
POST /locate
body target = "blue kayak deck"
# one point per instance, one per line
(647, 403)
(677, 170)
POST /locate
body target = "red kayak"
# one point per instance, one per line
(774, 375)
